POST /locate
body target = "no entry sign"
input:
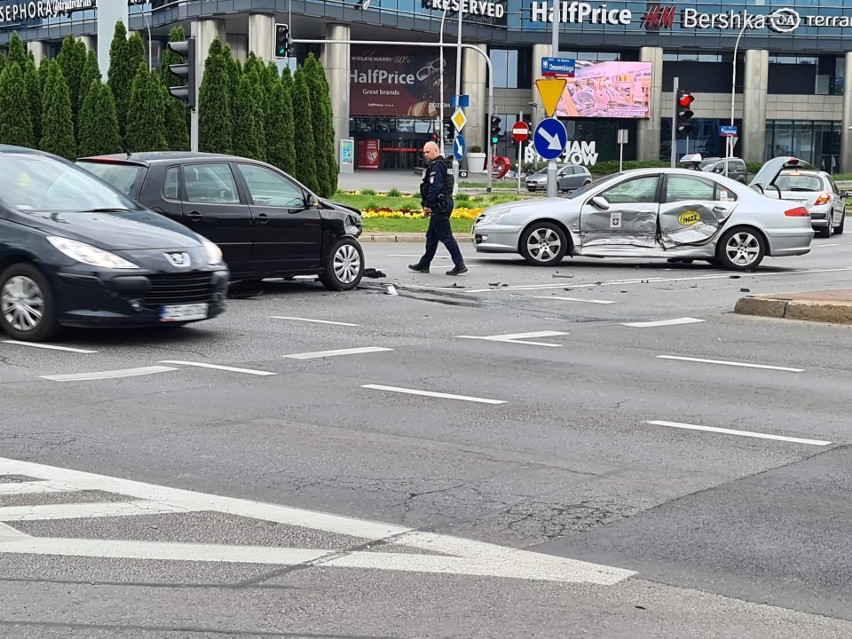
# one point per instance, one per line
(520, 131)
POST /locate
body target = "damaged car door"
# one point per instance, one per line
(693, 209)
(623, 215)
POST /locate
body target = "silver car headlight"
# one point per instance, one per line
(493, 218)
(88, 254)
(214, 253)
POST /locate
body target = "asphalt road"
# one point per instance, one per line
(599, 450)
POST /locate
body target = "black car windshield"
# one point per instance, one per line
(591, 185)
(33, 182)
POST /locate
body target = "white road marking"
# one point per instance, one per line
(315, 321)
(741, 433)
(247, 371)
(671, 322)
(518, 338)
(411, 391)
(824, 245)
(571, 299)
(34, 488)
(725, 363)
(459, 556)
(87, 510)
(51, 347)
(343, 351)
(127, 372)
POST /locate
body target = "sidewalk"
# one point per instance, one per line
(834, 307)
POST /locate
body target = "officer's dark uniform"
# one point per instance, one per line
(436, 193)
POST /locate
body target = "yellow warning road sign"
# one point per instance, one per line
(550, 90)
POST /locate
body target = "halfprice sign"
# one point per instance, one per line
(520, 131)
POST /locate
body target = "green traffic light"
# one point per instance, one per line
(495, 140)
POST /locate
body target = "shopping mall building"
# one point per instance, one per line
(790, 94)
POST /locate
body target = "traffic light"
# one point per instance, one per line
(496, 129)
(282, 40)
(186, 50)
(683, 112)
(448, 129)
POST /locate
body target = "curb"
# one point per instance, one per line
(406, 237)
(806, 310)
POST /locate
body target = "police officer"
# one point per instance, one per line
(436, 193)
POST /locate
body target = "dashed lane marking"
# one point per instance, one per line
(315, 321)
(571, 299)
(51, 347)
(741, 433)
(247, 371)
(726, 363)
(518, 338)
(343, 351)
(127, 372)
(412, 391)
(671, 322)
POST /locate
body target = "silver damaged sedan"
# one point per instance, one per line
(674, 214)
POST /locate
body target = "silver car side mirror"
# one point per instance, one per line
(599, 201)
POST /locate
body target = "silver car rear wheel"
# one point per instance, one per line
(741, 249)
(543, 244)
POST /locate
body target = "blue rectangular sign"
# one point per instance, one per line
(563, 67)
(459, 101)
(727, 131)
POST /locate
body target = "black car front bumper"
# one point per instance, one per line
(134, 299)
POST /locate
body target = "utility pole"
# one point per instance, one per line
(554, 52)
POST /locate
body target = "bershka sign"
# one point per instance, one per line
(665, 16)
(41, 9)
(468, 7)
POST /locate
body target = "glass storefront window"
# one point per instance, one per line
(704, 139)
(505, 63)
(814, 142)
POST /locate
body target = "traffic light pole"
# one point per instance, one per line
(676, 86)
(193, 112)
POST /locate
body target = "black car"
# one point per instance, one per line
(265, 222)
(76, 252)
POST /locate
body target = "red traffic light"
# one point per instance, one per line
(685, 99)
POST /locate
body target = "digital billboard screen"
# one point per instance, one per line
(607, 90)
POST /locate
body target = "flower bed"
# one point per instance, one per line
(386, 213)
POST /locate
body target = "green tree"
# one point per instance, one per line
(214, 103)
(33, 85)
(91, 72)
(235, 72)
(57, 124)
(125, 56)
(306, 167)
(323, 126)
(250, 142)
(15, 125)
(72, 59)
(17, 51)
(99, 121)
(146, 129)
(2, 61)
(288, 114)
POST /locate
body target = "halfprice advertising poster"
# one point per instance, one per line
(399, 81)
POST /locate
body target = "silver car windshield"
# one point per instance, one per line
(34, 182)
(591, 185)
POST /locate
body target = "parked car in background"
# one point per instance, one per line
(736, 168)
(799, 182)
(569, 177)
(675, 214)
(266, 223)
(76, 252)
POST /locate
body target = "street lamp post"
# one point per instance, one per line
(729, 144)
(148, 27)
(554, 52)
(441, 67)
(458, 94)
(534, 117)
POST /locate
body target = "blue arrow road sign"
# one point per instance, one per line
(550, 138)
(458, 147)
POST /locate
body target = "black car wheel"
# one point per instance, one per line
(543, 244)
(344, 265)
(26, 304)
(741, 249)
(838, 230)
(825, 231)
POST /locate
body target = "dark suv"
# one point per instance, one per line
(736, 168)
(265, 222)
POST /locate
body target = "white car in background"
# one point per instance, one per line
(797, 181)
(675, 214)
